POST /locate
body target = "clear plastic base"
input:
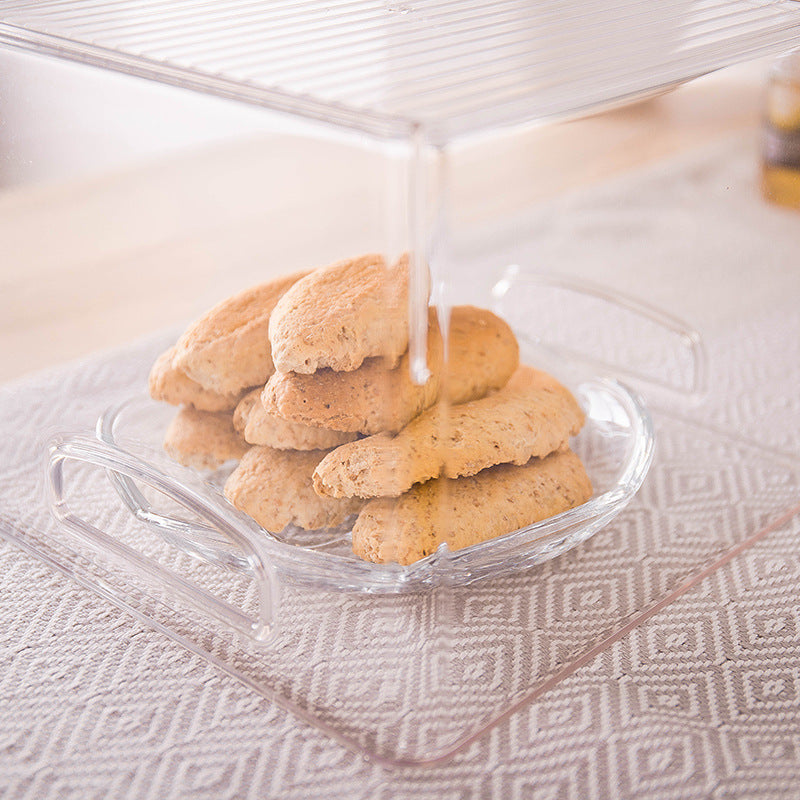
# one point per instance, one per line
(406, 666)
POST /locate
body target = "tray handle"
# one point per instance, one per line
(615, 335)
(118, 462)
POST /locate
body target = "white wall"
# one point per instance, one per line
(60, 119)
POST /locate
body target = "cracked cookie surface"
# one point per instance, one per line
(532, 415)
(227, 350)
(275, 488)
(341, 315)
(466, 511)
(203, 439)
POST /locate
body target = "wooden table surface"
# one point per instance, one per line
(102, 260)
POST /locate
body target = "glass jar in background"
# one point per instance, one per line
(781, 133)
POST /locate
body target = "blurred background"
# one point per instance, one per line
(59, 119)
(128, 206)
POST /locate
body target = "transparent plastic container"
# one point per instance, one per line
(362, 125)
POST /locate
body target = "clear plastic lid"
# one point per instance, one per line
(449, 68)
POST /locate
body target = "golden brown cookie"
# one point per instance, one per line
(274, 487)
(259, 427)
(366, 400)
(482, 353)
(469, 510)
(532, 415)
(373, 398)
(203, 439)
(169, 384)
(244, 408)
(342, 314)
(227, 350)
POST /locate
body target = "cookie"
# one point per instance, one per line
(203, 439)
(469, 510)
(259, 427)
(227, 350)
(274, 487)
(341, 315)
(533, 415)
(482, 353)
(373, 398)
(369, 399)
(170, 385)
(244, 408)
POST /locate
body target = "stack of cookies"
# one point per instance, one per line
(306, 382)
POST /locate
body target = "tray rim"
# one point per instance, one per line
(321, 570)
